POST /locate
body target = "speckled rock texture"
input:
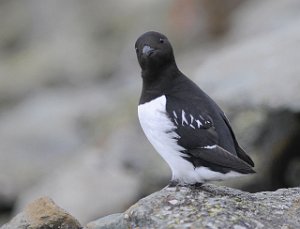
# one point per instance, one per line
(43, 213)
(209, 206)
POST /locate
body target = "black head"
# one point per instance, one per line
(154, 51)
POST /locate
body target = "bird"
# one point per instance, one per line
(183, 124)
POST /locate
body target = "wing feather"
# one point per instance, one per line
(217, 156)
(241, 153)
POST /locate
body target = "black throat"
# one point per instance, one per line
(157, 82)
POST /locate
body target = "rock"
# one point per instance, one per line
(261, 72)
(90, 180)
(244, 20)
(26, 138)
(43, 213)
(107, 222)
(209, 206)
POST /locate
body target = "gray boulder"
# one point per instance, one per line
(209, 206)
(261, 72)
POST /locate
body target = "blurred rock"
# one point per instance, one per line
(87, 186)
(126, 161)
(43, 213)
(256, 18)
(209, 206)
(44, 131)
(77, 116)
(107, 222)
(260, 72)
(203, 20)
(62, 70)
(271, 142)
(70, 43)
(260, 78)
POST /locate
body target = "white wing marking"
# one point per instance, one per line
(198, 123)
(183, 118)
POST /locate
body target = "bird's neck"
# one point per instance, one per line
(158, 82)
(155, 77)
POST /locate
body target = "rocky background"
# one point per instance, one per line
(70, 84)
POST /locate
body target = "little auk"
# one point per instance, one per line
(184, 125)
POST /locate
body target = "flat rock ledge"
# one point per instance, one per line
(209, 206)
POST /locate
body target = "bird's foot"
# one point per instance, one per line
(176, 184)
(173, 184)
(196, 185)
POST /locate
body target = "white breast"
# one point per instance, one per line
(159, 130)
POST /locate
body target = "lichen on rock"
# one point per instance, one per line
(209, 206)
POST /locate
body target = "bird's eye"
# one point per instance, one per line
(161, 40)
(136, 49)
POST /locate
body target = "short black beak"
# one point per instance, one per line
(147, 50)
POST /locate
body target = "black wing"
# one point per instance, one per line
(195, 123)
(197, 134)
(220, 160)
(240, 152)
